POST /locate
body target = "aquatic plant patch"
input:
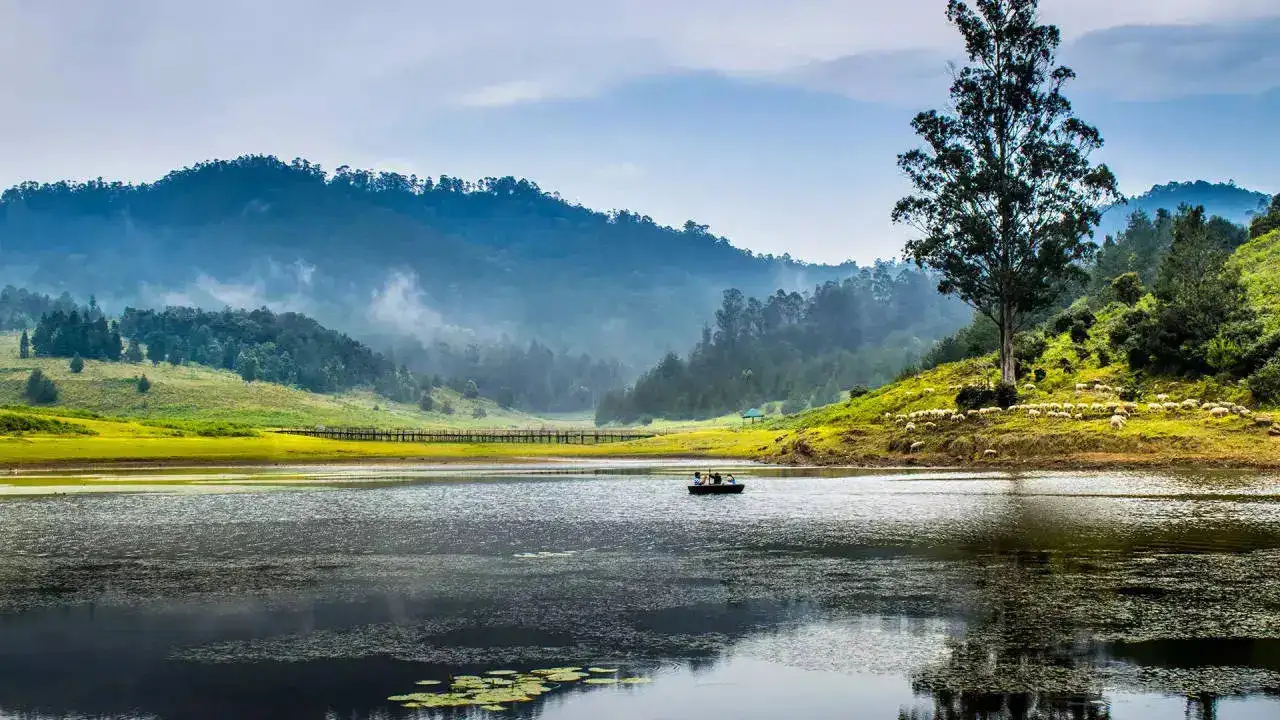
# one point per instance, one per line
(497, 690)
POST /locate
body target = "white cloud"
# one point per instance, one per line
(504, 94)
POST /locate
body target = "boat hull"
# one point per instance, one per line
(716, 489)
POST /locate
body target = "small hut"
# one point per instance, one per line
(753, 415)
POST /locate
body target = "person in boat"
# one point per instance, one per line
(732, 481)
(715, 478)
(697, 477)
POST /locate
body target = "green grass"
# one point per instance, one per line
(204, 400)
(1259, 264)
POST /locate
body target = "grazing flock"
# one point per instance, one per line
(1116, 412)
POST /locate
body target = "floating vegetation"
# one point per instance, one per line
(546, 554)
(497, 690)
(636, 681)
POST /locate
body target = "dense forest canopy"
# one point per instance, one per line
(383, 253)
(804, 348)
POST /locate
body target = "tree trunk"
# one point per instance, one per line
(1008, 362)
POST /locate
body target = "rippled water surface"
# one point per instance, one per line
(319, 594)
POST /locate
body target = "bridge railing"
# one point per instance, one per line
(486, 436)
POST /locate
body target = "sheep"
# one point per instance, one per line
(1162, 397)
(917, 446)
(1219, 412)
(988, 453)
(1118, 422)
(911, 427)
(1082, 386)
(1077, 416)
(1033, 413)
(1029, 387)
(958, 417)
(1190, 404)
(1170, 406)
(930, 426)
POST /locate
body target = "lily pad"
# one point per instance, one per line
(566, 677)
(602, 670)
(601, 681)
(636, 680)
(493, 708)
(502, 672)
(428, 682)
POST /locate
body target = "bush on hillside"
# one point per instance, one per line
(478, 413)
(77, 364)
(858, 391)
(1079, 333)
(1265, 383)
(1127, 288)
(144, 385)
(471, 391)
(973, 397)
(446, 407)
(17, 424)
(40, 389)
(426, 403)
(1040, 374)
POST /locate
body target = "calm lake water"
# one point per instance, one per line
(872, 595)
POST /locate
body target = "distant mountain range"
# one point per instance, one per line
(1228, 200)
(382, 255)
(402, 262)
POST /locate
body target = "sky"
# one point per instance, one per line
(776, 122)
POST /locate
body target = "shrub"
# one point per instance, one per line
(1028, 347)
(1079, 332)
(446, 407)
(1040, 374)
(1006, 395)
(1265, 383)
(1127, 288)
(40, 389)
(1065, 364)
(144, 385)
(1104, 358)
(471, 391)
(973, 397)
(478, 413)
(426, 403)
(858, 391)
(905, 373)
(77, 364)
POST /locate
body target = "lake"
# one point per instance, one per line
(320, 593)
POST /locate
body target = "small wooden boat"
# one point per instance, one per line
(716, 489)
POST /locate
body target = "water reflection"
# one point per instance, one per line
(919, 595)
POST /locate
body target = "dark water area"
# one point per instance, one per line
(921, 595)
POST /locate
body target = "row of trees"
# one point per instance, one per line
(803, 348)
(66, 334)
(289, 348)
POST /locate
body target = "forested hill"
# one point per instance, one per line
(378, 253)
(1226, 200)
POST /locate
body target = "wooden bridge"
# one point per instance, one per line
(561, 437)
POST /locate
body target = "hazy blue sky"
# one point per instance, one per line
(775, 121)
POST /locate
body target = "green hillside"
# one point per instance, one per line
(195, 393)
(1259, 263)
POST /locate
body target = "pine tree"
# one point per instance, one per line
(134, 353)
(77, 364)
(24, 346)
(144, 384)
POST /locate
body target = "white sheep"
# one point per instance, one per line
(1219, 412)
(1033, 413)
(1078, 416)
(1029, 387)
(1171, 406)
(1190, 404)
(917, 446)
(1082, 386)
(989, 453)
(958, 417)
(1162, 397)
(911, 427)
(930, 426)
(1117, 422)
